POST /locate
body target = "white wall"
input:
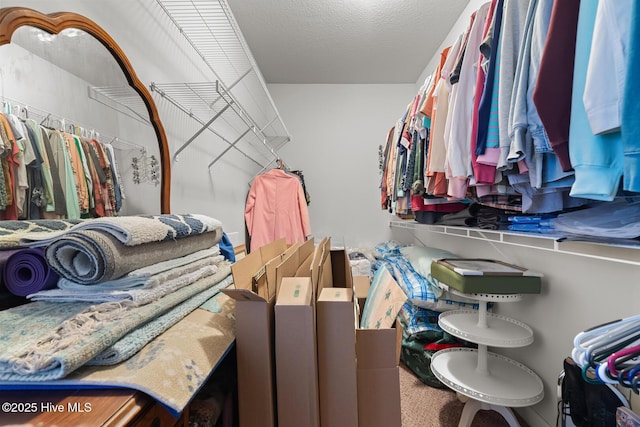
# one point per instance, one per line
(337, 130)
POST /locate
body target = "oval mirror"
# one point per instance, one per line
(85, 52)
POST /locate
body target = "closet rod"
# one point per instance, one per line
(155, 88)
(65, 124)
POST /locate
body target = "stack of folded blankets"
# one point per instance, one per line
(101, 289)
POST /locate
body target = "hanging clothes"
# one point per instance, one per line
(276, 208)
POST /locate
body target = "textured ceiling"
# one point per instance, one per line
(344, 41)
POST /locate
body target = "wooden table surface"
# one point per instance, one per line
(81, 408)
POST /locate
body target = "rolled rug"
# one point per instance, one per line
(89, 257)
(26, 271)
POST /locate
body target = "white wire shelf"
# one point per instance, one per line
(213, 102)
(608, 252)
(211, 29)
(123, 99)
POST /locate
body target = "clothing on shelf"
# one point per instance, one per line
(528, 108)
(52, 174)
(276, 208)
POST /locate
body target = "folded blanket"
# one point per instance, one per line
(89, 257)
(26, 271)
(154, 288)
(136, 230)
(48, 340)
(140, 277)
(131, 343)
(12, 231)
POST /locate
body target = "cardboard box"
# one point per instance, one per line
(305, 256)
(361, 285)
(296, 365)
(322, 273)
(377, 354)
(254, 335)
(337, 378)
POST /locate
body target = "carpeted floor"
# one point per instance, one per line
(424, 406)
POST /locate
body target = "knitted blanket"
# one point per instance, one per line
(136, 230)
(44, 340)
(91, 256)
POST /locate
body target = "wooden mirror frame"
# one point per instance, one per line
(12, 18)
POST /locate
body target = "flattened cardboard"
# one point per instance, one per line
(296, 364)
(316, 266)
(326, 273)
(337, 358)
(305, 256)
(272, 266)
(288, 266)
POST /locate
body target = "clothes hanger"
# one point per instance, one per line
(601, 351)
(621, 356)
(24, 111)
(601, 334)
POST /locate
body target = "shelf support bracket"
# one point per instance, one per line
(238, 80)
(229, 147)
(202, 129)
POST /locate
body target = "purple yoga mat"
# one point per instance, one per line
(26, 271)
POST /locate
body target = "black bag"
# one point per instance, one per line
(590, 405)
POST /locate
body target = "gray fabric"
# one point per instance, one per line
(58, 193)
(513, 21)
(88, 256)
